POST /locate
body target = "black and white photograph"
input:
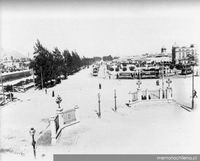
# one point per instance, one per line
(108, 77)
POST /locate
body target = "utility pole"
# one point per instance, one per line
(193, 90)
(24, 77)
(139, 74)
(193, 87)
(162, 76)
(2, 85)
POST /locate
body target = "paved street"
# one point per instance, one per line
(144, 128)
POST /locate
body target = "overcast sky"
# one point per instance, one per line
(94, 28)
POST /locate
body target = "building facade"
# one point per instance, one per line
(181, 55)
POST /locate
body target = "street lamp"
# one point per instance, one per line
(115, 97)
(32, 133)
(99, 102)
(58, 101)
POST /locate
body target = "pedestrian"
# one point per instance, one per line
(99, 85)
(157, 82)
(45, 90)
(149, 97)
(194, 93)
(53, 94)
(11, 96)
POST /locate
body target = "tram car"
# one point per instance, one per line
(149, 73)
(186, 70)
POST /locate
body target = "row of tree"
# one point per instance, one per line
(50, 65)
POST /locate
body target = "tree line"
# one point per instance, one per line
(49, 66)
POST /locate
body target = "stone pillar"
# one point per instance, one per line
(76, 113)
(160, 94)
(139, 94)
(147, 94)
(53, 130)
(169, 93)
(130, 97)
(59, 112)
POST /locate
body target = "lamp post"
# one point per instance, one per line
(32, 133)
(115, 97)
(58, 101)
(99, 102)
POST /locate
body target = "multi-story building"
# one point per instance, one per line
(181, 55)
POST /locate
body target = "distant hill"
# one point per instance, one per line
(7, 54)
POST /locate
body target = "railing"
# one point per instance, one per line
(148, 95)
(69, 116)
(1, 101)
(18, 89)
(154, 94)
(57, 124)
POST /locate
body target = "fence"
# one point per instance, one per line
(142, 95)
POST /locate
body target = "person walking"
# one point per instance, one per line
(157, 83)
(99, 85)
(194, 93)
